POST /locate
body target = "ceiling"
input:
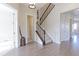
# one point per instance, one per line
(76, 12)
(38, 5)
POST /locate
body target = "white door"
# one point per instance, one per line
(7, 29)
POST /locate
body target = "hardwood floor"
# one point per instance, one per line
(68, 48)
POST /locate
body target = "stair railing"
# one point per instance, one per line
(40, 31)
(46, 12)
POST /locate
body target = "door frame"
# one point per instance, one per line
(32, 27)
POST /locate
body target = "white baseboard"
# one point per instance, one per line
(57, 42)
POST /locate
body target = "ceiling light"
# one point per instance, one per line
(32, 6)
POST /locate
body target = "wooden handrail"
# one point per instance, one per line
(45, 11)
(20, 31)
(22, 40)
(40, 27)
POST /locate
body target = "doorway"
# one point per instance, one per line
(75, 30)
(70, 26)
(30, 28)
(8, 29)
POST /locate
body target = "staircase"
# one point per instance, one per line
(41, 16)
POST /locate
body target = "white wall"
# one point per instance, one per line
(52, 22)
(23, 13)
(22, 18)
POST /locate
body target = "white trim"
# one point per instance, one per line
(58, 42)
(27, 27)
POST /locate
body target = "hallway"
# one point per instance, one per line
(60, 31)
(33, 49)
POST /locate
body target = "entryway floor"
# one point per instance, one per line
(67, 48)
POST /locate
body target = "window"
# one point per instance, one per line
(7, 29)
(74, 26)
